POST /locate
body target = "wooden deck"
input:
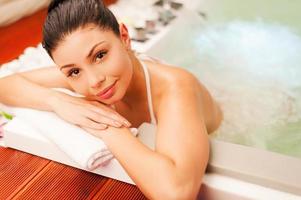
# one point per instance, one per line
(25, 176)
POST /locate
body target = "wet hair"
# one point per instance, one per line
(65, 16)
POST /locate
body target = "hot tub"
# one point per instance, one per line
(248, 55)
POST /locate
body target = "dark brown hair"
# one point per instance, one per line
(65, 16)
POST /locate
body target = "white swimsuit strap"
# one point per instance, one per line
(149, 95)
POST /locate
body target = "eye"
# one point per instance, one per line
(100, 55)
(73, 72)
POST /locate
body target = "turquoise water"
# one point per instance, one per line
(272, 11)
(251, 64)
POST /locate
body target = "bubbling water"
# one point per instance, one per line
(253, 71)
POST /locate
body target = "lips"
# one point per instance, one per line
(106, 89)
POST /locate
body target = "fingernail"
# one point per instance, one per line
(127, 123)
(117, 123)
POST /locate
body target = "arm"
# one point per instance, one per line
(176, 167)
(31, 88)
(50, 77)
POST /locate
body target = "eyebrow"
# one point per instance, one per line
(90, 53)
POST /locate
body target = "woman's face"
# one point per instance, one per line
(93, 59)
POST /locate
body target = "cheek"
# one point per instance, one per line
(79, 86)
(126, 78)
(126, 68)
(123, 70)
(127, 75)
(119, 63)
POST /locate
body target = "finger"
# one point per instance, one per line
(90, 123)
(103, 119)
(122, 119)
(110, 113)
(117, 117)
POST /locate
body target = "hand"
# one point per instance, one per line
(86, 113)
(97, 133)
(109, 131)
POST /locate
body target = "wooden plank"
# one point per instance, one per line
(58, 181)
(117, 190)
(17, 169)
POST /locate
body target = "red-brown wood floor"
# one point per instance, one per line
(25, 176)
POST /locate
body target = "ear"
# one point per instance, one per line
(124, 36)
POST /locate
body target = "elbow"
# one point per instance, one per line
(183, 192)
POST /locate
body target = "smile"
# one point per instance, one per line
(107, 92)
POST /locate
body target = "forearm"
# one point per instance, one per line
(18, 91)
(154, 173)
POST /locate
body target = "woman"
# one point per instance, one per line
(94, 58)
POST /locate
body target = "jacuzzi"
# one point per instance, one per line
(247, 53)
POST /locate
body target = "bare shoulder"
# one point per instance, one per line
(168, 76)
(169, 79)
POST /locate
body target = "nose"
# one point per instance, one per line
(95, 79)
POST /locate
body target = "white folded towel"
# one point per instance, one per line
(1, 128)
(87, 150)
